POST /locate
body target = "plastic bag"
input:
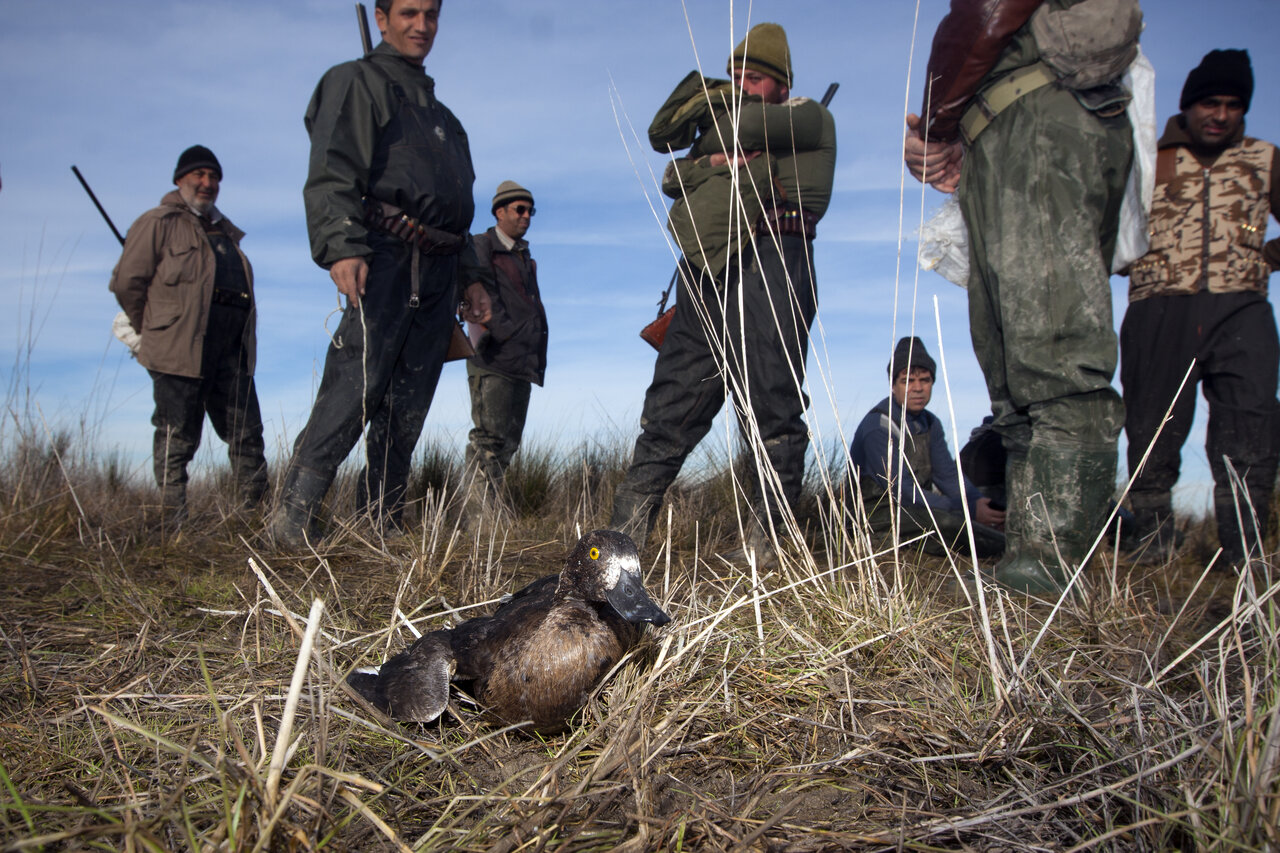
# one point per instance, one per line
(1133, 236)
(944, 243)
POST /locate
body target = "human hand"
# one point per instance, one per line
(988, 515)
(938, 163)
(350, 275)
(720, 158)
(475, 305)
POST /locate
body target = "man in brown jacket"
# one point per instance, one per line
(1201, 293)
(188, 292)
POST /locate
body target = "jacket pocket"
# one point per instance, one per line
(180, 263)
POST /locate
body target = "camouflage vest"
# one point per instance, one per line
(1207, 225)
(917, 468)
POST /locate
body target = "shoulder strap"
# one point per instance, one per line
(396, 88)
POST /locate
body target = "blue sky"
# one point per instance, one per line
(556, 95)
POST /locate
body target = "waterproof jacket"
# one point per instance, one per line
(164, 283)
(1209, 218)
(514, 343)
(358, 135)
(713, 218)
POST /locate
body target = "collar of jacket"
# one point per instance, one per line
(510, 244)
(392, 59)
(173, 198)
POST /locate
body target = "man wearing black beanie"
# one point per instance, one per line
(1201, 293)
(187, 290)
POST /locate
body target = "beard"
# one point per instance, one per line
(200, 205)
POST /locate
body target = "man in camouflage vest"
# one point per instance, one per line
(1201, 293)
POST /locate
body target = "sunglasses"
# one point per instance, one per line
(522, 209)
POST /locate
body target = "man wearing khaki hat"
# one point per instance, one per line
(511, 351)
(748, 196)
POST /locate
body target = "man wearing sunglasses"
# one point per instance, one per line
(511, 353)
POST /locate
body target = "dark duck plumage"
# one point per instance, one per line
(539, 656)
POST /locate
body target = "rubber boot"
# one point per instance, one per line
(1059, 502)
(1241, 523)
(295, 522)
(1154, 540)
(755, 541)
(634, 513)
(173, 507)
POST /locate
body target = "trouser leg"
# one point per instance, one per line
(779, 301)
(1240, 372)
(687, 391)
(232, 404)
(1040, 308)
(381, 369)
(179, 420)
(499, 407)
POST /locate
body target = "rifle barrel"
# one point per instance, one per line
(831, 93)
(362, 18)
(98, 205)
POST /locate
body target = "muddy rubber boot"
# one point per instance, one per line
(1154, 540)
(1062, 500)
(173, 508)
(634, 514)
(295, 522)
(755, 540)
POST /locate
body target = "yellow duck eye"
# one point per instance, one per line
(594, 553)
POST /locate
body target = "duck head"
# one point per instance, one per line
(604, 566)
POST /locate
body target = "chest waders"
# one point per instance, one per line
(384, 363)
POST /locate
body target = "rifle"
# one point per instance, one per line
(362, 19)
(98, 205)
(655, 332)
(120, 326)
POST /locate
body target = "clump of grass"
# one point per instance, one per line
(845, 700)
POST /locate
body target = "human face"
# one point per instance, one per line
(199, 189)
(1214, 121)
(514, 218)
(755, 83)
(410, 27)
(913, 392)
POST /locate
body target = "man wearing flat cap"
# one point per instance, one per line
(511, 351)
(907, 477)
(749, 192)
(1201, 293)
(187, 290)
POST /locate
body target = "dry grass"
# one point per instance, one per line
(154, 696)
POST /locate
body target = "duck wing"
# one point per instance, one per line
(414, 685)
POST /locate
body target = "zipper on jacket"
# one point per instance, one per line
(1205, 235)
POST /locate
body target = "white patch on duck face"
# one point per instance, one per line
(615, 566)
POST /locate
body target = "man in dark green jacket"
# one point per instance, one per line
(389, 206)
(1045, 146)
(746, 211)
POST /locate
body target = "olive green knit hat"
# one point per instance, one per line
(764, 50)
(509, 191)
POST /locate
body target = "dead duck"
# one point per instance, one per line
(541, 653)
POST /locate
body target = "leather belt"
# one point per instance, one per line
(999, 96)
(394, 221)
